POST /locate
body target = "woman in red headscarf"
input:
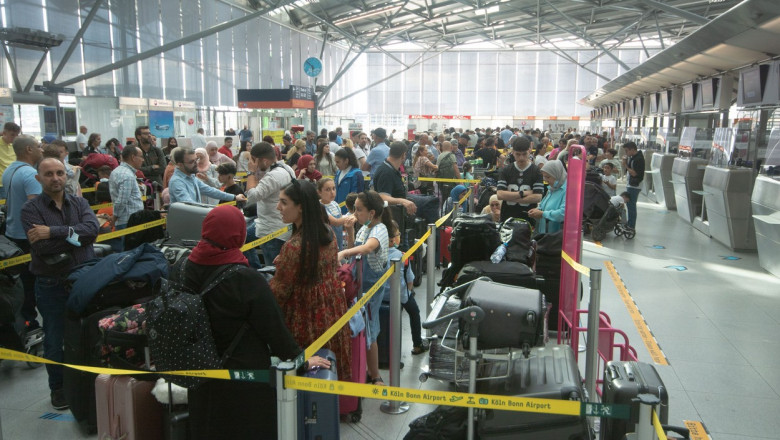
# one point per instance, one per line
(306, 285)
(231, 409)
(307, 170)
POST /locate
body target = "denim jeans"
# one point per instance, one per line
(251, 254)
(633, 194)
(117, 244)
(52, 296)
(271, 250)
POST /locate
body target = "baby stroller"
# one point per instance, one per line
(596, 205)
(611, 220)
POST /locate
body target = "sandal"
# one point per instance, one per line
(378, 381)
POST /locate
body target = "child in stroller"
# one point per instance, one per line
(614, 218)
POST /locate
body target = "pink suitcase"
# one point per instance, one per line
(350, 407)
(127, 410)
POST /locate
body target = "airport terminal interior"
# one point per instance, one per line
(694, 287)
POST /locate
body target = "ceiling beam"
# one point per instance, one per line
(79, 35)
(690, 16)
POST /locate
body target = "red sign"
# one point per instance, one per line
(439, 117)
(190, 121)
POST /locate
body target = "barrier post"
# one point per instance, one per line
(645, 429)
(286, 403)
(431, 276)
(471, 199)
(394, 406)
(591, 348)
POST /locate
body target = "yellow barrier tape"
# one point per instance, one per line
(88, 190)
(659, 430)
(639, 321)
(265, 239)
(128, 231)
(437, 179)
(342, 204)
(245, 375)
(431, 397)
(2, 201)
(15, 261)
(696, 430)
(416, 246)
(241, 174)
(575, 265)
(316, 345)
(108, 205)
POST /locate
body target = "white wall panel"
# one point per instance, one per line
(487, 83)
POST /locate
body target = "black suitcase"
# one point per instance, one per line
(549, 373)
(505, 272)
(82, 347)
(623, 381)
(514, 316)
(319, 412)
(383, 340)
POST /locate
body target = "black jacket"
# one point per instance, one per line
(636, 163)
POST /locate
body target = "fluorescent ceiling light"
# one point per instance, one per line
(366, 14)
(489, 10)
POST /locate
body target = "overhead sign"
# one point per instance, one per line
(293, 97)
(439, 117)
(53, 89)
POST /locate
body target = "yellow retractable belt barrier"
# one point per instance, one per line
(108, 205)
(88, 190)
(438, 179)
(575, 265)
(242, 375)
(130, 230)
(659, 430)
(265, 239)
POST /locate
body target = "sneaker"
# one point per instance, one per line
(58, 400)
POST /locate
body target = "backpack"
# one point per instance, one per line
(516, 233)
(443, 423)
(348, 277)
(179, 329)
(474, 238)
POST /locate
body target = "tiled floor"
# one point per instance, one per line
(717, 322)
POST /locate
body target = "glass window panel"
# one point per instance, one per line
(149, 36)
(97, 53)
(191, 65)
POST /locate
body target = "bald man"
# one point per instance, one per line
(61, 229)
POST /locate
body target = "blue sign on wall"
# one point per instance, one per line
(161, 124)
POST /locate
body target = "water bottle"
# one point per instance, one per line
(498, 254)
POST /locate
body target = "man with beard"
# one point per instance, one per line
(185, 187)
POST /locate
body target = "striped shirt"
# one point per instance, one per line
(125, 193)
(377, 260)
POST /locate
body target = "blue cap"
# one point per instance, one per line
(48, 139)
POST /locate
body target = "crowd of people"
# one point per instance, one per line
(335, 189)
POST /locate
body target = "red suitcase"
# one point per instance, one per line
(126, 409)
(350, 407)
(445, 236)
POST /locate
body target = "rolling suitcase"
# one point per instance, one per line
(82, 341)
(623, 381)
(126, 409)
(445, 235)
(383, 340)
(185, 220)
(517, 315)
(350, 407)
(319, 412)
(505, 272)
(549, 373)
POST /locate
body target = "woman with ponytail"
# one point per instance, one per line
(372, 241)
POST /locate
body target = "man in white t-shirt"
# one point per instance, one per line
(81, 139)
(199, 139)
(608, 179)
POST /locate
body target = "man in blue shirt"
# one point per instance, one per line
(311, 143)
(505, 134)
(21, 185)
(185, 187)
(245, 134)
(379, 153)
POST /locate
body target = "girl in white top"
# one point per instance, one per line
(327, 192)
(243, 157)
(373, 243)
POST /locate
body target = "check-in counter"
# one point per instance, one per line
(766, 218)
(661, 174)
(648, 185)
(727, 198)
(687, 178)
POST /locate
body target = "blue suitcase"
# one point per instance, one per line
(318, 413)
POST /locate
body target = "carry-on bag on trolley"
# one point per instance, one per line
(505, 272)
(185, 220)
(318, 413)
(547, 373)
(623, 381)
(474, 238)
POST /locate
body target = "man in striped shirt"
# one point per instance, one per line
(123, 186)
